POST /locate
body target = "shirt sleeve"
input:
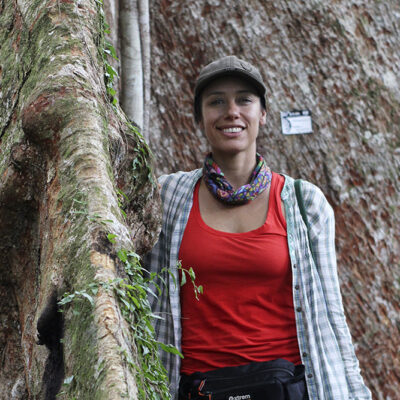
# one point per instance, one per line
(322, 235)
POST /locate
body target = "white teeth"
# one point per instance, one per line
(232, 130)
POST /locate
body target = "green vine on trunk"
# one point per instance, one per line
(132, 294)
(106, 50)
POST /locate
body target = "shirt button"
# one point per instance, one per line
(298, 309)
(294, 266)
(309, 375)
(305, 354)
(297, 287)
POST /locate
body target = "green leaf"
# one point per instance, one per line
(135, 301)
(151, 292)
(95, 290)
(183, 277)
(172, 275)
(155, 316)
(80, 202)
(134, 255)
(150, 327)
(169, 348)
(111, 70)
(192, 274)
(122, 194)
(122, 255)
(88, 297)
(159, 291)
(67, 299)
(68, 380)
(127, 304)
(110, 50)
(111, 238)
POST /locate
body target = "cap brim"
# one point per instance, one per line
(206, 80)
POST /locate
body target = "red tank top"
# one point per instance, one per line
(246, 311)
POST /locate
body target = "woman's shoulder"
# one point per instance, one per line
(314, 199)
(178, 183)
(177, 176)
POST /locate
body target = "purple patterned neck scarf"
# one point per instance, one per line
(223, 191)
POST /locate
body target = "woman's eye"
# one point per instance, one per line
(215, 102)
(245, 100)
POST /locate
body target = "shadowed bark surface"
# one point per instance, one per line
(340, 60)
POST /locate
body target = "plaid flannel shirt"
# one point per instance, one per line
(332, 370)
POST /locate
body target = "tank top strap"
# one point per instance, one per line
(275, 214)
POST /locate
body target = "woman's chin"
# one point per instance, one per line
(232, 150)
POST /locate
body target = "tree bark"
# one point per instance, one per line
(144, 24)
(65, 154)
(340, 60)
(131, 62)
(134, 35)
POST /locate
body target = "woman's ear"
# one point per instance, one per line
(263, 116)
(201, 125)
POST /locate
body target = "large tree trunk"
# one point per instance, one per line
(65, 156)
(341, 61)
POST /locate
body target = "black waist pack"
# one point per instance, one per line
(271, 380)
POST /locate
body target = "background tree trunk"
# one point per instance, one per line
(65, 154)
(340, 60)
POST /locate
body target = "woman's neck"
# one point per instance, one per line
(237, 168)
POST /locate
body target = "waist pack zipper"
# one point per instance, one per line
(253, 374)
(232, 389)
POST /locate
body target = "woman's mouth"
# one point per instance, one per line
(231, 131)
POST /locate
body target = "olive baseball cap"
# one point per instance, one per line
(227, 66)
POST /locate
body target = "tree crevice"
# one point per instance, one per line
(50, 328)
(15, 105)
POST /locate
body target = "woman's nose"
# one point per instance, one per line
(232, 109)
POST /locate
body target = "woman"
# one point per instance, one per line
(238, 225)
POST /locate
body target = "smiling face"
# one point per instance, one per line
(231, 114)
